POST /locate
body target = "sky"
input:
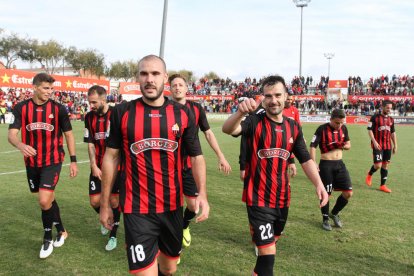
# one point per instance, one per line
(233, 38)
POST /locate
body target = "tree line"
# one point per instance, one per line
(52, 55)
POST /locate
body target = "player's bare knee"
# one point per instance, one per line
(168, 271)
(384, 166)
(114, 202)
(377, 166)
(95, 201)
(45, 203)
(191, 204)
(347, 194)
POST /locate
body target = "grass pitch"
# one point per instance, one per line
(377, 237)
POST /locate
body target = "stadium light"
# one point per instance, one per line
(329, 56)
(300, 4)
(164, 27)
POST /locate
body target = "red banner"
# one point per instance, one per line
(359, 120)
(308, 97)
(338, 84)
(24, 79)
(379, 98)
(134, 88)
(210, 97)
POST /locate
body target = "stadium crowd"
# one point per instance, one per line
(402, 85)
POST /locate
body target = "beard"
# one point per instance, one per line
(100, 110)
(274, 112)
(155, 97)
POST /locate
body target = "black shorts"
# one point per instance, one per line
(189, 185)
(147, 235)
(381, 156)
(43, 177)
(95, 185)
(334, 176)
(266, 224)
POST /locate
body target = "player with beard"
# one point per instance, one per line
(96, 125)
(270, 140)
(42, 122)
(179, 89)
(146, 135)
(381, 131)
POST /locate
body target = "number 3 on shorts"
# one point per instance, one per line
(137, 253)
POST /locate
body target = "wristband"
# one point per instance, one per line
(73, 159)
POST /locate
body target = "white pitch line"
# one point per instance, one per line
(11, 151)
(64, 165)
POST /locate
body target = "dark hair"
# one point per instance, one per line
(272, 80)
(42, 77)
(149, 57)
(338, 113)
(97, 89)
(175, 76)
(386, 102)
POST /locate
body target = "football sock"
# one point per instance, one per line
(341, 202)
(97, 209)
(384, 176)
(117, 215)
(325, 211)
(47, 219)
(264, 265)
(57, 220)
(372, 170)
(188, 216)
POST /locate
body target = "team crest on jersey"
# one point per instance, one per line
(382, 128)
(51, 116)
(86, 133)
(154, 144)
(273, 153)
(291, 140)
(175, 129)
(100, 135)
(40, 125)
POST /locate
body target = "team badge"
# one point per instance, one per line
(313, 138)
(86, 133)
(291, 140)
(175, 129)
(51, 116)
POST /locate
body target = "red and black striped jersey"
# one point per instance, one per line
(328, 138)
(268, 148)
(292, 112)
(201, 123)
(41, 128)
(382, 126)
(150, 140)
(95, 132)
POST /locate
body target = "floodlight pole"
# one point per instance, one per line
(329, 56)
(300, 4)
(164, 28)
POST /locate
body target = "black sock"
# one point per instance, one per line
(47, 219)
(117, 215)
(325, 211)
(372, 170)
(384, 176)
(57, 220)
(264, 265)
(341, 202)
(188, 216)
(97, 209)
